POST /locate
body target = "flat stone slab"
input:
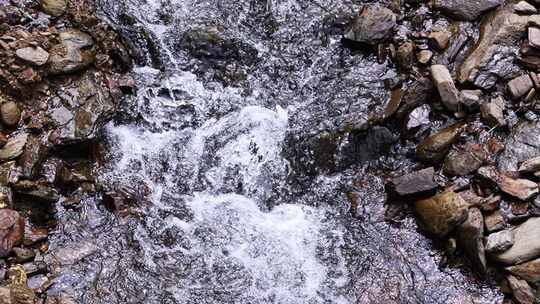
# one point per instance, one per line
(526, 244)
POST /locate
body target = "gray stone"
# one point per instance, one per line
(524, 7)
(415, 182)
(74, 53)
(465, 9)
(521, 188)
(34, 55)
(534, 36)
(522, 144)
(499, 242)
(373, 25)
(520, 86)
(493, 112)
(447, 89)
(442, 213)
(531, 165)
(471, 99)
(526, 244)
(470, 238)
(14, 147)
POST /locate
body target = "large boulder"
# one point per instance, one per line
(526, 244)
(442, 213)
(373, 25)
(493, 57)
(73, 53)
(465, 9)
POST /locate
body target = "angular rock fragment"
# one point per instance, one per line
(37, 191)
(442, 213)
(14, 147)
(439, 40)
(74, 53)
(529, 271)
(415, 182)
(531, 165)
(435, 147)
(493, 112)
(11, 230)
(520, 86)
(373, 25)
(524, 7)
(418, 118)
(464, 9)
(470, 238)
(526, 244)
(471, 99)
(494, 221)
(447, 89)
(534, 36)
(34, 55)
(522, 144)
(405, 55)
(464, 161)
(521, 188)
(522, 291)
(499, 241)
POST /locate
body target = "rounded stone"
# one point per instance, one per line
(10, 113)
(54, 7)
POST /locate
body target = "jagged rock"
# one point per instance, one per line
(83, 108)
(520, 86)
(523, 292)
(493, 112)
(464, 9)
(446, 87)
(435, 147)
(418, 118)
(494, 221)
(37, 191)
(464, 161)
(522, 144)
(54, 7)
(470, 237)
(73, 53)
(415, 182)
(34, 55)
(415, 95)
(14, 147)
(10, 113)
(493, 57)
(521, 188)
(439, 40)
(394, 103)
(33, 154)
(405, 55)
(374, 24)
(442, 213)
(529, 271)
(524, 7)
(11, 230)
(499, 242)
(526, 244)
(531, 165)
(471, 99)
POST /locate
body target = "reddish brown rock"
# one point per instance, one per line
(523, 293)
(11, 230)
(529, 271)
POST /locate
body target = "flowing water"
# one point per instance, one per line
(237, 208)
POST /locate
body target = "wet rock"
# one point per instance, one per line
(446, 87)
(471, 99)
(465, 10)
(439, 40)
(464, 161)
(394, 103)
(522, 291)
(374, 24)
(531, 165)
(415, 182)
(72, 54)
(494, 221)
(493, 112)
(493, 57)
(37, 191)
(442, 213)
(71, 255)
(418, 118)
(524, 7)
(54, 7)
(520, 86)
(417, 94)
(499, 241)
(405, 55)
(470, 238)
(529, 271)
(11, 230)
(520, 188)
(435, 147)
(14, 147)
(10, 113)
(33, 154)
(526, 244)
(33, 235)
(33, 55)
(522, 144)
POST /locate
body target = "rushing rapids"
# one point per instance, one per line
(237, 206)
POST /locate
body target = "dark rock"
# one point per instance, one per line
(523, 292)
(374, 24)
(493, 112)
(417, 94)
(526, 244)
(394, 103)
(465, 10)
(529, 271)
(33, 55)
(11, 231)
(520, 86)
(464, 161)
(522, 144)
(10, 113)
(493, 57)
(435, 147)
(447, 89)
(14, 147)
(442, 213)
(470, 237)
(499, 242)
(37, 191)
(405, 55)
(23, 255)
(415, 182)
(73, 53)
(520, 188)
(33, 154)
